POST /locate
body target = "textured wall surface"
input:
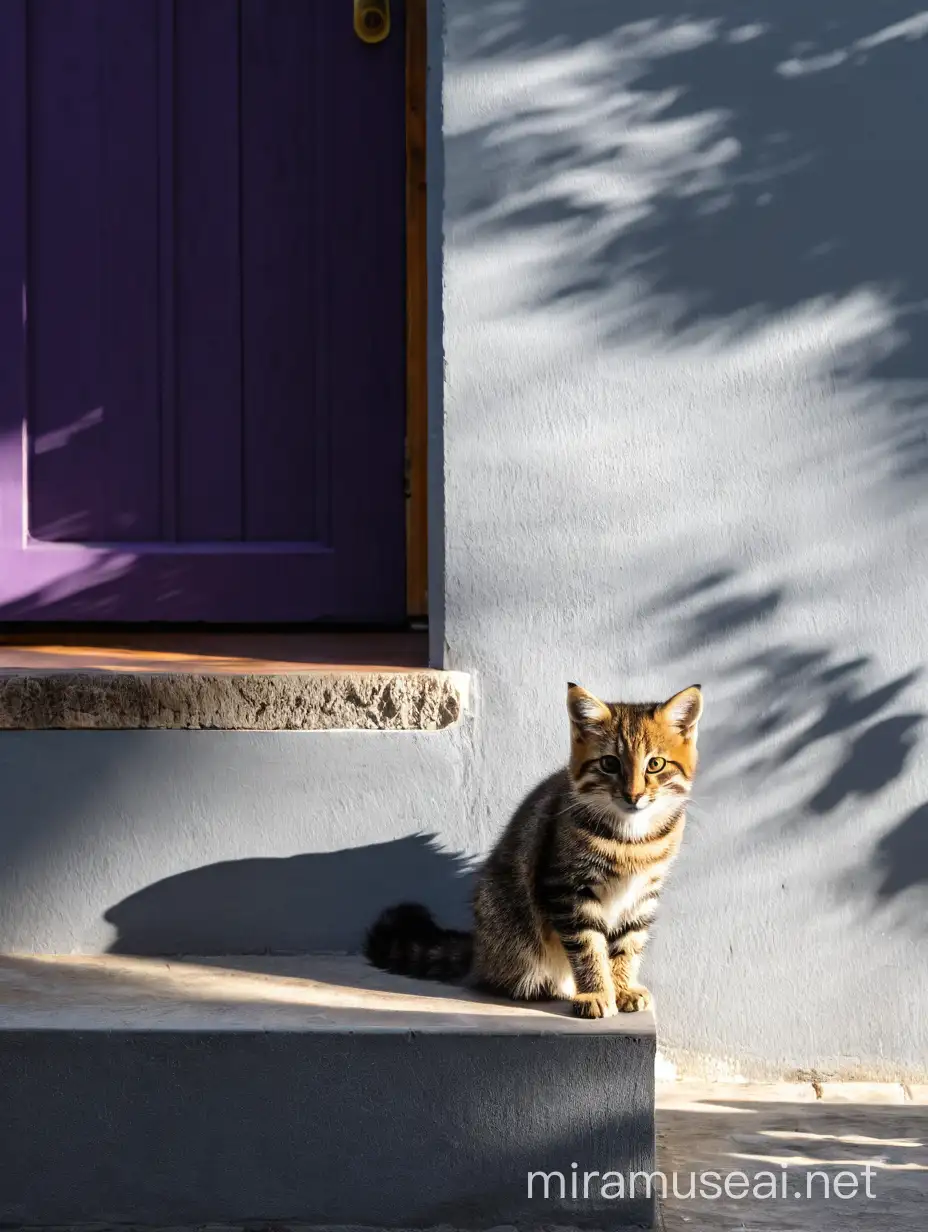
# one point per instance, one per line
(685, 438)
(201, 842)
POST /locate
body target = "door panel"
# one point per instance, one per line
(283, 176)
(207, 408)
(201, 312)
(93, 286)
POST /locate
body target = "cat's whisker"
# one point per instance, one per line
(572, 807)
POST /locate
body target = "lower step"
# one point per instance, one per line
(310, 1090)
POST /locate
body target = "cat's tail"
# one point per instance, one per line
(406, 941)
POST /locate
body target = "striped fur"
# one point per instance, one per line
(566, 899)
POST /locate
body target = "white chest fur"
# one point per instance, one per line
(619, 898)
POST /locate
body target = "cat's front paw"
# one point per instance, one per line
(631, 1000)
(594, 1005)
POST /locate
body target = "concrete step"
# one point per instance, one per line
(313, 1090)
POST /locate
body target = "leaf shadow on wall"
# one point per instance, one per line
(794, 706)
(901, 859)
(710, 178)
(704, 172)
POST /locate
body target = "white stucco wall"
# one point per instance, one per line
(686, 439)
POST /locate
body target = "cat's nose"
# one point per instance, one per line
(632, 797)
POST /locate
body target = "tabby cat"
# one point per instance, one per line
(565, 899)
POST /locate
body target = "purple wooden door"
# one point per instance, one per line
(201, 312)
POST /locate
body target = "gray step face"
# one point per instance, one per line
(393, 1104)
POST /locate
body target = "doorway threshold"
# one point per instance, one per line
(228, 680)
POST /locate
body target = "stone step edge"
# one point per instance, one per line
(418, 699)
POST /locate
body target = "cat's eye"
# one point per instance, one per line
(656, 765)
(610, 764)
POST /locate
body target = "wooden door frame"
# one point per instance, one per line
(416, 313)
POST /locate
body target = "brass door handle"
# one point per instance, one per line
(372, 20)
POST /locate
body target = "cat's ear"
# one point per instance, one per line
(683, 711)
(585, 710)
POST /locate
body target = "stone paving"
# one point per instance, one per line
(811, 1142)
